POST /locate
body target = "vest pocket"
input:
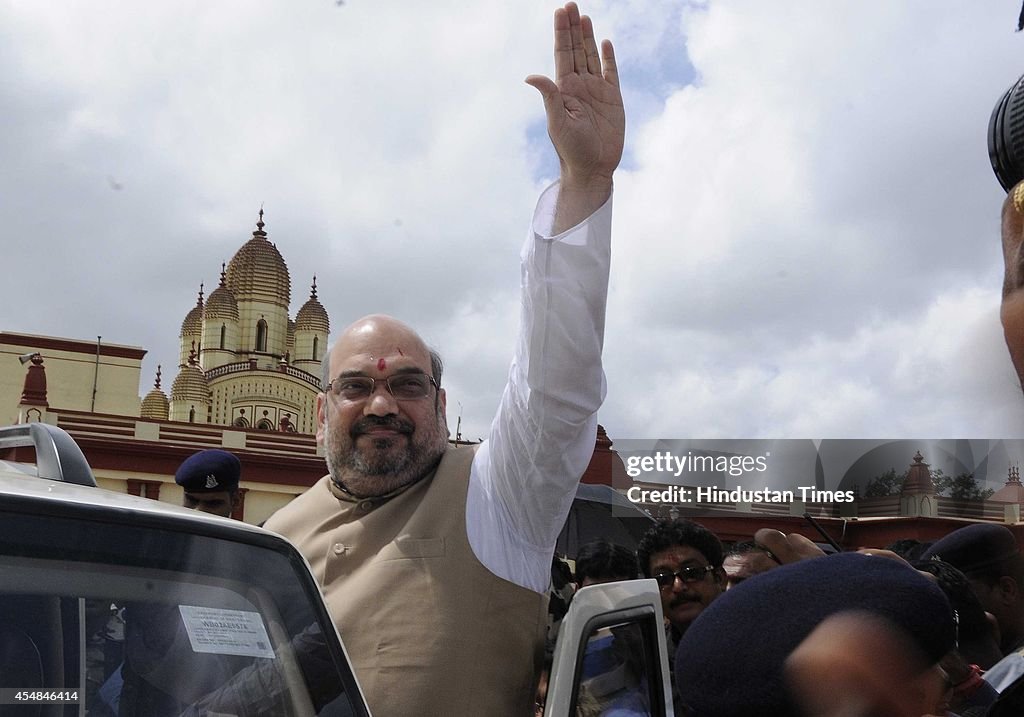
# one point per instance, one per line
(404, 548)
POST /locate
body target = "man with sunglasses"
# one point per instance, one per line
(685, 558)
(435, 560)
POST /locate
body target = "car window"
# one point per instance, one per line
(619, 675)
(114, 619)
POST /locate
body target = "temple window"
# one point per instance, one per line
(261, 335)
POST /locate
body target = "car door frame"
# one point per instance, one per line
(604, 605)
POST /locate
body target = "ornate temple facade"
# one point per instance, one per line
(246, 381)
(242, 360)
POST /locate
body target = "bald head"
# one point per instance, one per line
(366, 328)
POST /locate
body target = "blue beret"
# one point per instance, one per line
(975, 547)
(730, 660)
(209, 471)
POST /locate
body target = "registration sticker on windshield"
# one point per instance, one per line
(226, 632)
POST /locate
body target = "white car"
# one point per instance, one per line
(113, 605)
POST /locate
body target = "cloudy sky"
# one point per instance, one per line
(806, 222)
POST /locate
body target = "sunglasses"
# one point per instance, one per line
(690, 574)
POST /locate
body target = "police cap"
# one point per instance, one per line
(720, 672)
(974, 548)
(209, 471)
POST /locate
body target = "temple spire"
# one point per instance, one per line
(33, 392)
(259, 226)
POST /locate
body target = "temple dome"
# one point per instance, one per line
(257, 271)
(155, 404)
(221, 304)
(193, 323)
(919, 478)
(1013, 491)
(191, 384)
(313, 316)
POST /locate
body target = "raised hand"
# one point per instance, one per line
(586, 120)
(784, 548)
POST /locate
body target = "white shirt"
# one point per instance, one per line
(1002, 674)
(524, 475)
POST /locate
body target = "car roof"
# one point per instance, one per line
(19, 481)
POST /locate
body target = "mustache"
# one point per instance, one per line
(395, 423)
(683, 599)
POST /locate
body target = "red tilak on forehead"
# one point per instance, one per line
(382, 365)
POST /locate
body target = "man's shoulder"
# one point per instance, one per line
(312, 495)
(460, 451)
(458, 457)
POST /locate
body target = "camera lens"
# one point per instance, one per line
(1006, 136)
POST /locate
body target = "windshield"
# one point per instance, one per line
(112, 620)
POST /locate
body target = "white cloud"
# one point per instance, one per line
(809, 233)
(940, 372)
(806, 223)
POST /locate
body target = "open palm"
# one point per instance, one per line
(586, 120)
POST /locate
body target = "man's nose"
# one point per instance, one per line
(380, 402)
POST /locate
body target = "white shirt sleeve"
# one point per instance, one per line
(525, 474)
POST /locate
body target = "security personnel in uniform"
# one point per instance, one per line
(210, 480)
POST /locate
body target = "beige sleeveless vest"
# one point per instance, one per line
(429, 629)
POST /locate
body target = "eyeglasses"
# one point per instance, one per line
(691, 574)
(403, 386)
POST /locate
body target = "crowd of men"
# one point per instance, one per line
(933, 629)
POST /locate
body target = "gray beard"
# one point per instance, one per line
(377, 474)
